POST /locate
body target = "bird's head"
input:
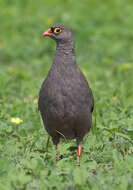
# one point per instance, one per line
(59, 33)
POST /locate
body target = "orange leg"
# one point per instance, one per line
(79, 150)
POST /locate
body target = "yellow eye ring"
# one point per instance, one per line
(57, 30)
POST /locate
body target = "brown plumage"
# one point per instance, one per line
(65, 99)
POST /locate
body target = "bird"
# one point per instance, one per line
(65, 99)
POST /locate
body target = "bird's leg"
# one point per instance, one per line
(57, 157)
(55, 142)
(79, 150)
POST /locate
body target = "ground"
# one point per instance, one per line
(103, 32)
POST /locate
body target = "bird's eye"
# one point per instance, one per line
(57, 30)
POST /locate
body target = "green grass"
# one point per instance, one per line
(103, 33)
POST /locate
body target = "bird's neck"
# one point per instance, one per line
(65, 48)
(65, 55)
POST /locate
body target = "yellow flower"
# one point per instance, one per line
(16, 120)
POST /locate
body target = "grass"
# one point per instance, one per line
(103, 33)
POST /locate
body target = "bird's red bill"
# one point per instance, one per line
(47, 33)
